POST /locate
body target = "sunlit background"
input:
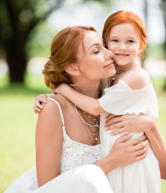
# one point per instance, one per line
(26, 30)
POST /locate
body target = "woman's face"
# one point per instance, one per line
(124, 42)
(94, 60)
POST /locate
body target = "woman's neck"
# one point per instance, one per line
(90, 88)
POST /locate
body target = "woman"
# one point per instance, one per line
(78, 57)
(156, 143)
(131, 92)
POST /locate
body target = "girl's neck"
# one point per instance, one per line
(122, 69)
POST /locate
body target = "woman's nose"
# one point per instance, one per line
(109, 53)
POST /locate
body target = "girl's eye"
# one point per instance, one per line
(114, 40)
(131, 41)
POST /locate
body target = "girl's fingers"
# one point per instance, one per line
(112, 116)
(113, 120)
(110, 125)
(119, 131)
(36, 111)
(42, 100)
(115, 126)
(38, 105)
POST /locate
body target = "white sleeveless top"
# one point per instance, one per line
(75, 153)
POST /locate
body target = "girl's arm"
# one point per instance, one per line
(39, 101)
(86, 103)
(49, 139)
(141, 123)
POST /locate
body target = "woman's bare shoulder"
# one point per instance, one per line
(64, 103)
(50, 112)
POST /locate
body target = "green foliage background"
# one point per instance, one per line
(17, 123)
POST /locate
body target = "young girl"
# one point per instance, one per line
(131, 92)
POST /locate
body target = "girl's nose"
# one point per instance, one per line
(122, 46)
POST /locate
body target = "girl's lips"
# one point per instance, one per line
(122, 55)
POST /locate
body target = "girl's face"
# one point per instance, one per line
(94, 60)
(124, 42)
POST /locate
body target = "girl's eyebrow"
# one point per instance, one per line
(129, 37)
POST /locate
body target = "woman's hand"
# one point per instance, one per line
(38, 104)
(128, 123)
(125, 151)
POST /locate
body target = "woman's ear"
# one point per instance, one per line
(72, 69)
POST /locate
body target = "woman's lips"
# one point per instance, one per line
(110, 65)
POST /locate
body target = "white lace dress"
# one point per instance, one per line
(142, 176)
(78, 174)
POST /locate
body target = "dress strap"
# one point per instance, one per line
(60, 110)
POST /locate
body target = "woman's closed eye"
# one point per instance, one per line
(96, 51)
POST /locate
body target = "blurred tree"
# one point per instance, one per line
(163, 8)
(17, 20)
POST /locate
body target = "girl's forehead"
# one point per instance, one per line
(124, 29)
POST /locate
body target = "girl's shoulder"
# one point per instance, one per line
(136, 79)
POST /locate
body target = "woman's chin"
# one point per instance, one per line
(109, 75)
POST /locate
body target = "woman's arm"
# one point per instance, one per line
(131, 150)
(158, 148)
(86, 103)
(138, 123)
(49, 141)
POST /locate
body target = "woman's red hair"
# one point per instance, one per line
(64, 51)
(125, 17)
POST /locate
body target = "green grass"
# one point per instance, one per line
(17, 126)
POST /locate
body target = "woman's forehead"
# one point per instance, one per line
(91, 39)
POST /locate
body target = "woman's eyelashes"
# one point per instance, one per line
(97, 50)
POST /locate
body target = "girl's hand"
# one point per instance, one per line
(129, 123)
(131, 150)
(38, 104)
